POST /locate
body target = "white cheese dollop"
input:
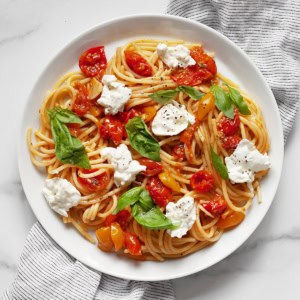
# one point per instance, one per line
(126, 169)
(171, 119)
(114, 95)
(61, 195)
(244, 162)
(173, 57)
(183, 214)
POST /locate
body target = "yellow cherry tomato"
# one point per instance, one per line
(206, 104)
(117, 236)
(104, 238)
(148, 113)
(169, 181)
(231, 220)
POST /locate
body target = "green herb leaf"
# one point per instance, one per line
(238, 100)
(146, 201)
(192, 92)
(223, 101)
(218, 164)
(163, 96)
(152, 219)
(141, 140)
(129, 198)
(68, 149)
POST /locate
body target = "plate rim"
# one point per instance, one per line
(171, 17)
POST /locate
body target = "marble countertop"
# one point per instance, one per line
(267, 266)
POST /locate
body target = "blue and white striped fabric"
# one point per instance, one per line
(268, 30)
(47, 272)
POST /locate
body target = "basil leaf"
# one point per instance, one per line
(141, 140)
(152, 219)
(238, 100)
(63, 115)
(163, 96)
(68, 149)
(128, 198)
(145, 200)
(192, 92)
(223, 101)
(218, 164)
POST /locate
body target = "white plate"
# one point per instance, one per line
(231, 61)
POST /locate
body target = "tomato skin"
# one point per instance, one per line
(105, 242)
(160, 194)
(93, 62)
(216, 206)
(169, 181)
(81, 104)
(74, 129)
(133, 244)
(125, 116)
(152, 167)
(203, 71)
(233, 219)
(187, 135)
(112, 129)
(96, 183)
(117, 236)
(205, 105)
(202, 181)
(122, 218)
(231, 142)
(179, 152)
(138, 64)
(229, 126)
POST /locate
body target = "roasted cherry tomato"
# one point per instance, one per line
(229, 126)
(179, 152)
(125, 116)
(152, 167)
(133, 244)
(231, 142)
(187, 136)
(234, 218)
(160, 194)
(148, 113)
(112, 129)
(105, 242)
(96, 110)
(117, 236)
(96, 183)
(206, 104)
(74, 128)
(94, 88)
(81, 104)
(168, 180)
(122, 217)
(202, 181)
(138, 64)
(203, 71)
(93, 62)
(216, 206)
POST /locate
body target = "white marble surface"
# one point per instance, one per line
(267, 266)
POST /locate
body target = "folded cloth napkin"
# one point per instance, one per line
(268, 30)
(47, 272)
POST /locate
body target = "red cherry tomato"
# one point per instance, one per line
(93, 62)
(231, 142)
(229, 126)
(202, 181)
(122, 217)
(112, 129)
(138, 64)
(152, 167)
(179, 152)
(160, 194)
(96, 183)
(133, 244)
(204, 70)
(216, 206)
(125, 116)
(74, 129)
(81, 104)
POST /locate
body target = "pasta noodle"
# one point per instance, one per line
(94, 207)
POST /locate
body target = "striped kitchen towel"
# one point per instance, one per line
(268, 30)
(47, 272)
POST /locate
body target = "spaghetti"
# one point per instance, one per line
(180, 158)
